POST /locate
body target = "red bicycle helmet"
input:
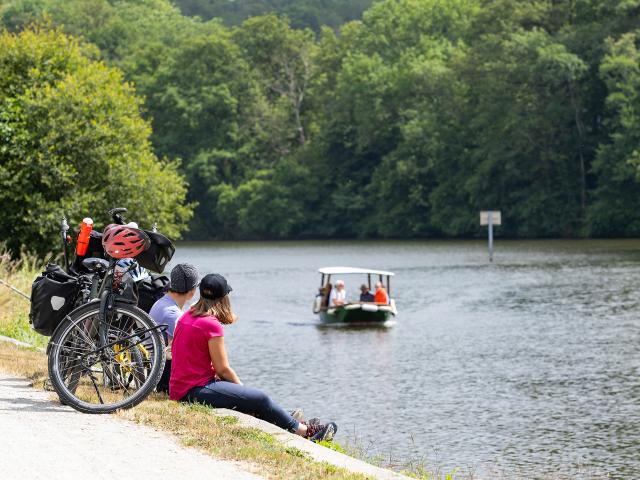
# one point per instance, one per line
(121, 241)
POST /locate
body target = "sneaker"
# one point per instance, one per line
(298, 414)
(318, 432)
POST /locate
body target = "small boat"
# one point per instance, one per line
(355, 313)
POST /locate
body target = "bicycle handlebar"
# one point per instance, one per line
(115, 214)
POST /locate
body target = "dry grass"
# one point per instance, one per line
(222, 437)
(23, 362)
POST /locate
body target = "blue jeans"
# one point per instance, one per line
(221, 394)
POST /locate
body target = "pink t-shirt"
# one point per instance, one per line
(191, 363)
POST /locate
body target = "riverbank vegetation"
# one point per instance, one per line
(404, 123)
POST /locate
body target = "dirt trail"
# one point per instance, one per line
(43, 440)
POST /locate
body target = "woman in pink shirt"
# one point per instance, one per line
(200, 370)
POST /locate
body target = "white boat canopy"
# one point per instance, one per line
(350, 270)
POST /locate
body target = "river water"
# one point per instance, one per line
(525, 367)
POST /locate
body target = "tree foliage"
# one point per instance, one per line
(72, 140)
(404, 122)
(311, 14)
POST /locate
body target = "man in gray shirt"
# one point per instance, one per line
(167, 310)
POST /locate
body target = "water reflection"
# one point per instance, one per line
(528, 366)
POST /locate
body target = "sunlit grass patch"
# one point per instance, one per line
(14, 309)
(333, 446)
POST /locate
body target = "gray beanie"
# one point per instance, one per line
(184, 277)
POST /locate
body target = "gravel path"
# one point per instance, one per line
(41, 439)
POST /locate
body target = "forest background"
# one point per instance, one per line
(278, 119)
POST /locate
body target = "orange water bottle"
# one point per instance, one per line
(83, 237)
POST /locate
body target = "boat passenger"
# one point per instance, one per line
(327, 294)
(201, 373)
(365, 294)
(381, 297)
(338, 295)
(167, 310)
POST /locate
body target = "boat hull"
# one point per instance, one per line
(355, 316)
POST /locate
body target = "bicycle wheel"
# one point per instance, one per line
(102, 376)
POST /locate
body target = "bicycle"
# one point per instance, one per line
(107, 354)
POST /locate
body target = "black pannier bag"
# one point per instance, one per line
(53, 295)
(150, 290)
(156, 257)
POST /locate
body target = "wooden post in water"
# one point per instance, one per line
(491, 218)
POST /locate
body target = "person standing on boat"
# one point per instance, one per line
(200, 371)
(338, 295)
(381, 297)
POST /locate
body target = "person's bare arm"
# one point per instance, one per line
(220, 362)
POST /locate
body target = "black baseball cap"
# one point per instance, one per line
(214, 286)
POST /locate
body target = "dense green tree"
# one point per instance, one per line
(303, 13)
(282, 58)
(524, 122)
(402, 124)
(388, 110)
(72, 140)
(273, 203)
(616, 209)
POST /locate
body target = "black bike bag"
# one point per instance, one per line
(53, 295)
(160, 251)
(150, 290)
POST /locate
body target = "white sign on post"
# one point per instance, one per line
(496, 217)
(490, 218)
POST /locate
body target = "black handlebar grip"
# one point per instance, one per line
(115, 214)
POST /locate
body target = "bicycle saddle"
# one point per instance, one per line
(95, 264)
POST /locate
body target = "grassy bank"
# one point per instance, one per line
(14, 309)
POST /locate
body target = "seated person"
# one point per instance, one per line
(338, 296)
(201, 372)
(381, 297)
(365, 294)
(327, 294)
(168, 309)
